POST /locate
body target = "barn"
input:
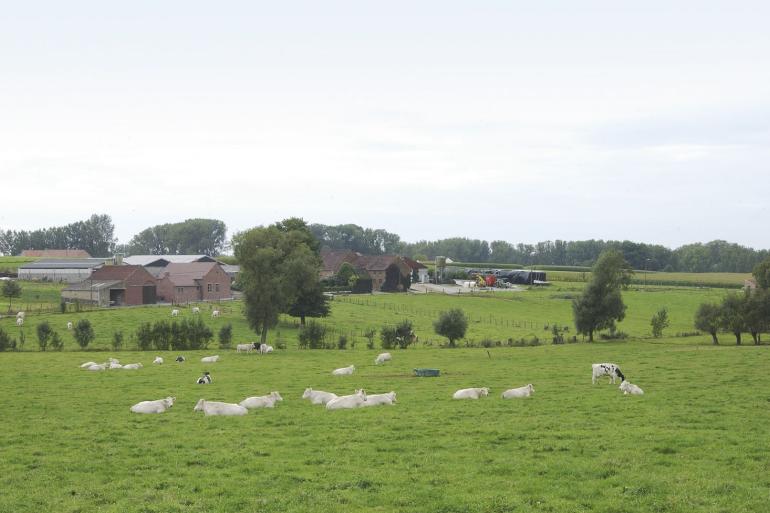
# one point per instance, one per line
(67, 270)
(115, 285)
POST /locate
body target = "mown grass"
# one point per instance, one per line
(35, 296)
(496, 316)
(696, 442)
(11, 263)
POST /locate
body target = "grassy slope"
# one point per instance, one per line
(72, 445)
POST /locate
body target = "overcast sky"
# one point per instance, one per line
(521, 121)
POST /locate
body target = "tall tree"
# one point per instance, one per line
(761, 273)
(734, 315)
(274, 262)
(190, 237)
(601, 304)
(708, 318)
(95, 235)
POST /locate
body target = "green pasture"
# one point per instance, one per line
(35, 296)
(11, 263)
(496, 316)
(695, 442)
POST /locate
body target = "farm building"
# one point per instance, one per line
(114, 285)
(387, 272)
(156, 264)
(55, 253)
(195, 281)
(67, 270)
(417, 268)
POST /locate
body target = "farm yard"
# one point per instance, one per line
(694, 442)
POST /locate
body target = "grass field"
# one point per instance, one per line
(696, 442)
(497, 316)
(11, 263)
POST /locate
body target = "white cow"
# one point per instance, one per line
(378, 399)
(133, 366)
(262, 401)
(471, 393)
(356, 400)
(97, 367)
(217, 408)
(115, 365)
(210, 359)
(246, 347)
(87, 364)
(19, 321)
(175, 312)
(215, 313)
(158, 406)
(69, 326)
(382, 358)
(113, 360)
(606, 369)
(524, 391)
(264, 349)
(318, 396)
(196, 310)
(158, 360)
(630, 388)
(20, 315)
(344, 371)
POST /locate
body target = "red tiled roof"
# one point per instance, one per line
(333, 259)
(120, 272)
(186, 275)
(414, 264)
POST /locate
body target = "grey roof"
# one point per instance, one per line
(96, 285)
(231, 269)
(162, 260)
(64, 263)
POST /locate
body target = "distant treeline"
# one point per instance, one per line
(95, 235)
(714, 256)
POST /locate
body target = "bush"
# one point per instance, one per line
(451, 324)
(44, 333)
(161, 335)
(342, 342)
(22, 340)
(388, 337)
(144, 336)
(487, 342)
(63, 307)
(197, 333)
(614, 335)
(5, 340)
(312, 336)
(83, 333)
(57, 344)
(369, 334)
(117, 340)
(404, 334)
(659, 322)
(225, 336)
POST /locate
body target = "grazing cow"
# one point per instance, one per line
(88, 364)
(215, 313)
(382, 358)
(97, 367)
(115, 365)
(180, 359)
(356, 400)
(69, 326)
(217, 408)
(158, 360)
(205, 379)
(19, 321)
(159, 406)
(210, 359)
(471, 393)
(196, 310)
(20, 315)
(630, 388)
(378, 399)
(262, 401)
(174, 312)
(264, 349)
(133, 366)
(318, 396)
(344, 371)
(606, 369)
(246, 347)
(524, 391)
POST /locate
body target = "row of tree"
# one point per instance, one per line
(95, 235)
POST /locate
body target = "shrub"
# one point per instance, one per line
(388, 337)
(404, 334)
(117, 340)
(197, 333)
(342, 342)
(144, 336)
(659, 322)
(57, 344)
(225, 336)
(83, 333)
(22, 340)
(44, 333)
(5, 340)
(161, 335)
(63, 307)
(451, 324)
(487, 342)
(312, 336)
(369, 334)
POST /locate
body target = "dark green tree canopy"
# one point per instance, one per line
(190, 237)
(708, 318)
(451, 324)
(601, 305)
(761, 274)
(95, 235)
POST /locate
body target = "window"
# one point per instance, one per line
(216, 287)
(209, 287)
(180, 290)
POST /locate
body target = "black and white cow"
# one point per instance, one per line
(205, 379)
(606, 369)
(180, 358)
